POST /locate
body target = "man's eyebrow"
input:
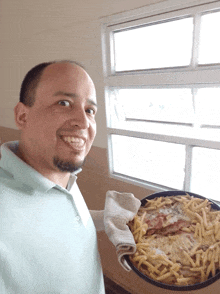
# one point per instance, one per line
(90, 101)
(62, 93)
(72, 95)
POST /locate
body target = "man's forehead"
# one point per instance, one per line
(68, 74)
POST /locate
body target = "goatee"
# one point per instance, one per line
(67, 166)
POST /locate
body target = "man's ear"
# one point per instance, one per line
(21, 114)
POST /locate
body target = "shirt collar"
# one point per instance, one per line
(24, 173)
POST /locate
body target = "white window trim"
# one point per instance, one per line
(145, 78)
(153, 12)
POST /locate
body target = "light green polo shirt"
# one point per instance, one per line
(48, 241)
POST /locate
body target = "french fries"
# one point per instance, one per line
(184, 257)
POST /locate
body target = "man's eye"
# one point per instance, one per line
(64, 103)
(91, 111)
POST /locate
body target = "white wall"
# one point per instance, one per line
(36, 31)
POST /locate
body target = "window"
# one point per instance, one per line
(162, 85)
(143, 45)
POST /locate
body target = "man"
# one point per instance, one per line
(48, 240)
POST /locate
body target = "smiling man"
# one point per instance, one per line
(59, 128)
(48, 241)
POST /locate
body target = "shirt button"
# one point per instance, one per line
(77, 218)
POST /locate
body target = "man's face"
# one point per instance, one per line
(60, 127)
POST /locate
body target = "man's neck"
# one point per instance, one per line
(55, 176)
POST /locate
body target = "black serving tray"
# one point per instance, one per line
(197, 286)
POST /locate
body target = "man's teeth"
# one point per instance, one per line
(74, 140)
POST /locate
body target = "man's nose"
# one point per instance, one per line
(79, 119)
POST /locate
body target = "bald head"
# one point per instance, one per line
(33, 77)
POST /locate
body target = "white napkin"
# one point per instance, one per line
(120, 208)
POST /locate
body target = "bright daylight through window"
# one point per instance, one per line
(162, 81)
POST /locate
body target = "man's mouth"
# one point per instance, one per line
(75, 142)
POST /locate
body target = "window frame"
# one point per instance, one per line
(209, 75)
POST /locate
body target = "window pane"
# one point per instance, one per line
(153, 161)
(207, 106)
(206, 172)
(167, 44)
(209, 39)
(161, 105)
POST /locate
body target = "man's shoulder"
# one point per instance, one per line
(12, 187)
(6, 180)
(5, 175)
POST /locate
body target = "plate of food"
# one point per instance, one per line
(177, 236)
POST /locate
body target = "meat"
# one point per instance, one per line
(155, 225)
(174, 228)
(156, 222)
